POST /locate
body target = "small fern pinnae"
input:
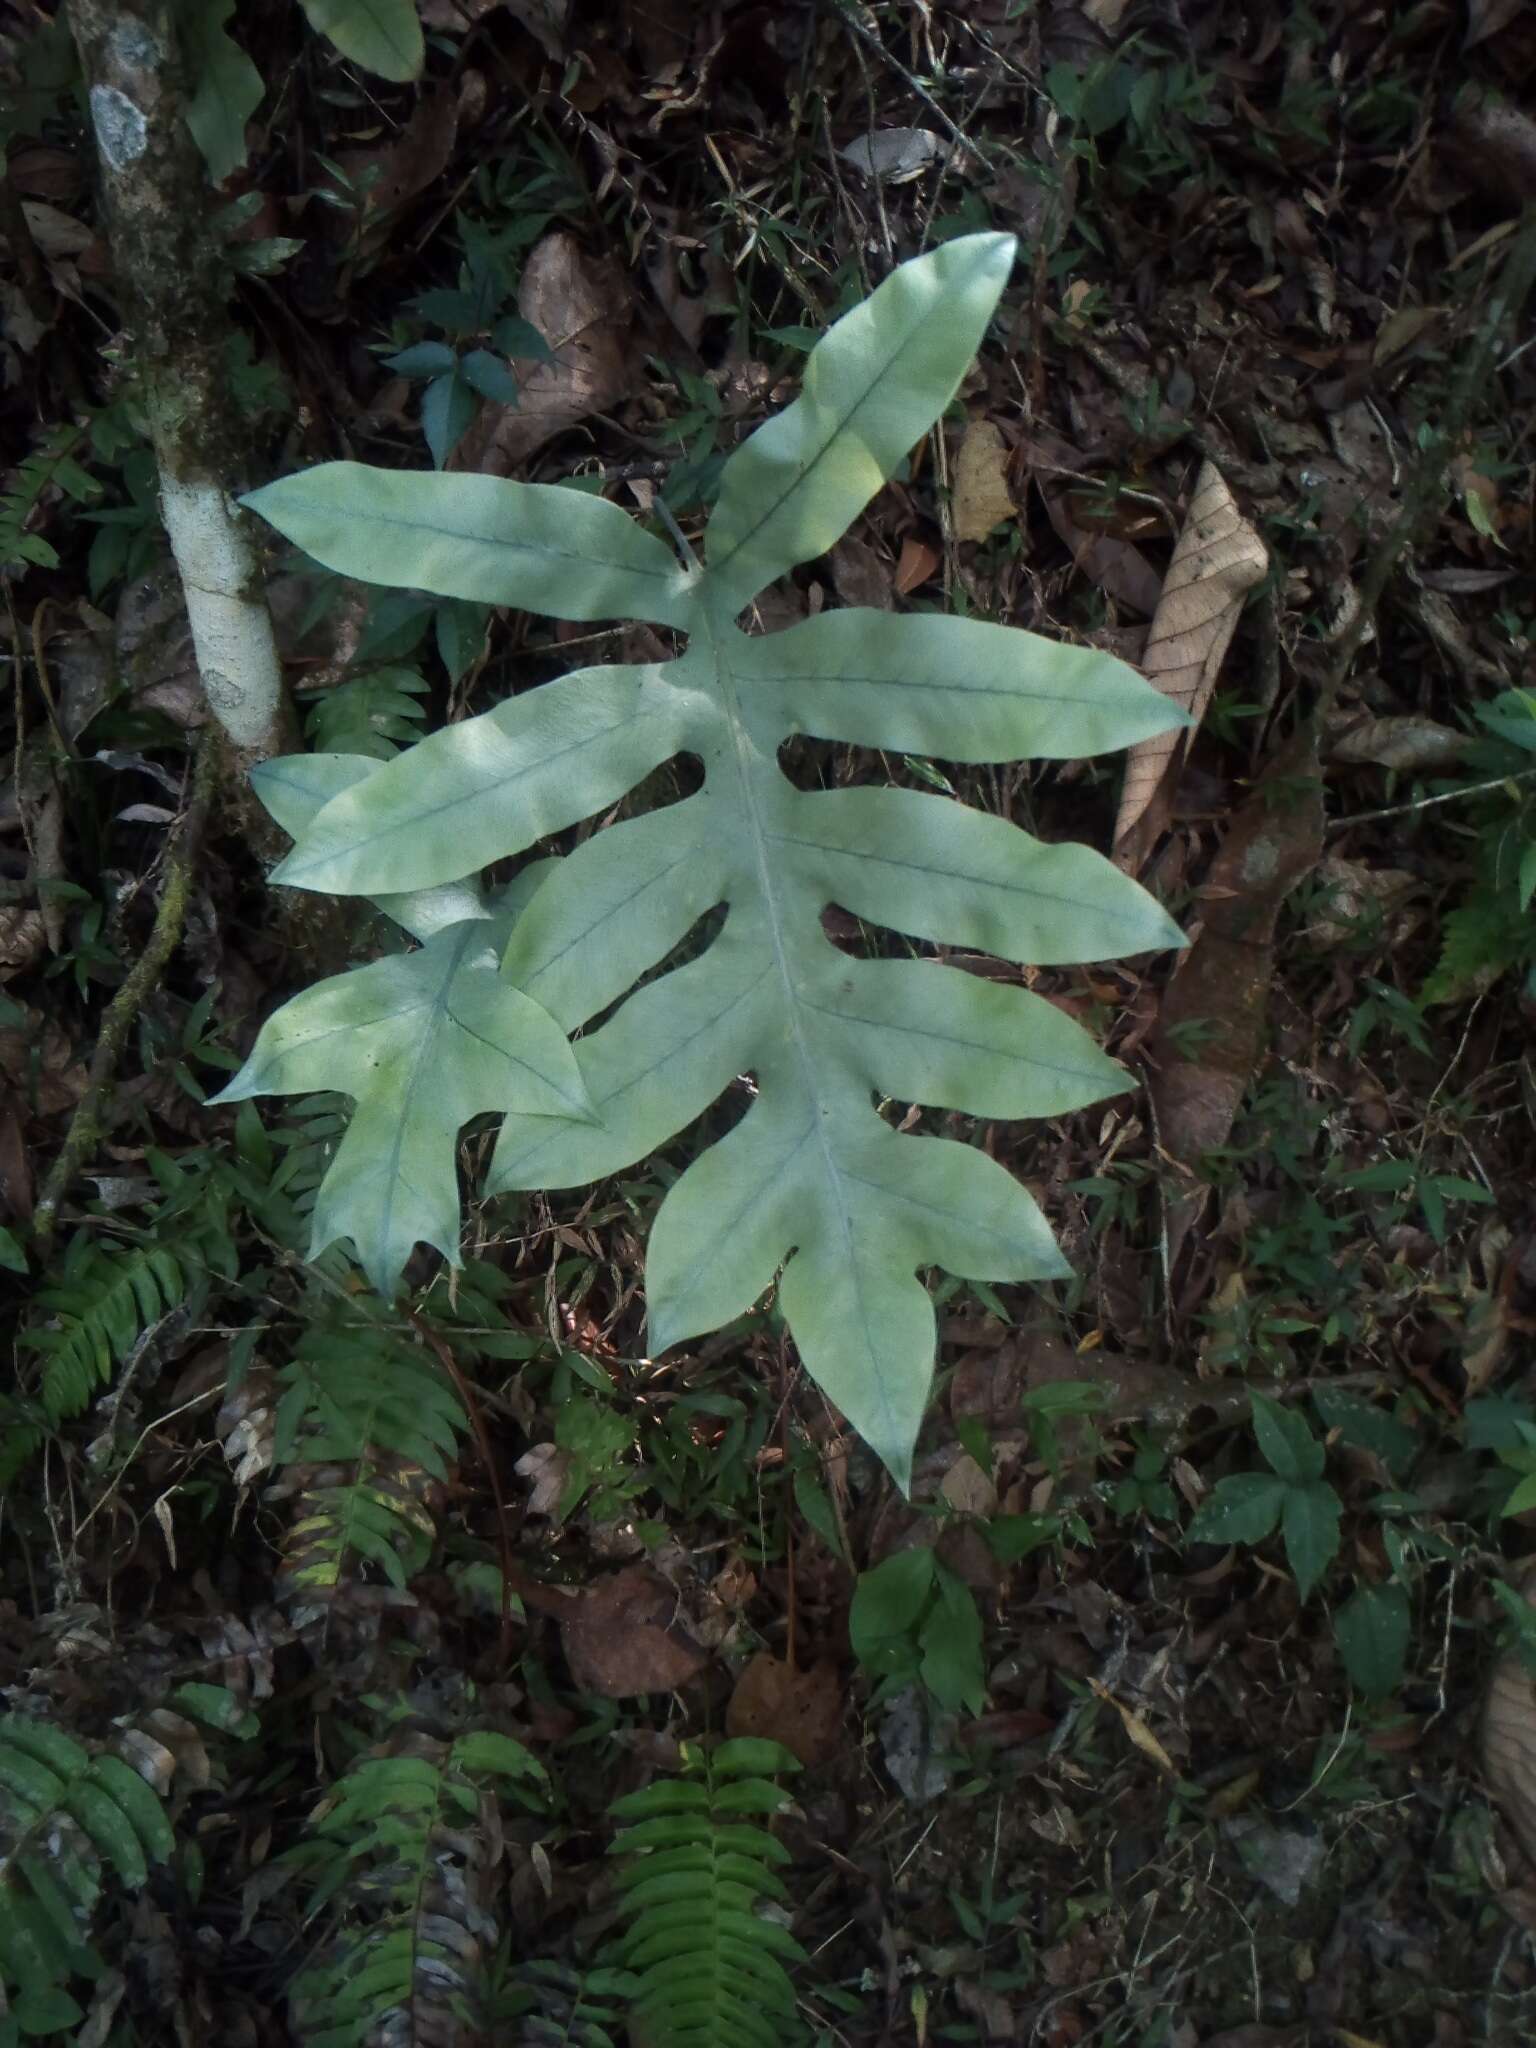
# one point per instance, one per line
(66, 1819)
(370, 1426)
(698, 1868)
(400, 1851)
(99, 1307)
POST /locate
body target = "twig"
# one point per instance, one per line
(125, 1007)
(845, 12)
(1423, 803)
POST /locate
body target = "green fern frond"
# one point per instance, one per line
(100, 1305)
(558, 2007)
(367, 1401)
(51, 465)
(65, 1816)
(399, 1851)
(1482, 938)
(374, 714)
(711, 1965)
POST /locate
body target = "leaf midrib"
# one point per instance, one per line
(742, 755)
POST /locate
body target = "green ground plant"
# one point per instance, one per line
(812, 1168)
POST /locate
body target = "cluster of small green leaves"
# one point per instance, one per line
(1491, 931)
(458, 370)
(813, 1184)
(1372, 1627)
(913, 1621)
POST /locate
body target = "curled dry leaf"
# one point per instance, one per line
(801, 1709)
(582, 309)
(623, 1637)
(1218, 560)
(982, 500)
(1406, 743)
(894, 155)
(1509, 1740)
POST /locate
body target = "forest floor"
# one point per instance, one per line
(1156, 1797)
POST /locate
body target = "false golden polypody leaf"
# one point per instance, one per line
(813, 1186)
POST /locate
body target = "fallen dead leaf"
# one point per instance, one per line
(582, 308)
(1137, 1729)
(1222, 984)
(1405, 743)
(801, 1709)
(860, 575)
(894, 156)
(1509, 1740)
(915, 565)
(546, 1467)
(622, 1637)
(1353, 897)
(982, 499)
(1218, 560)
(545, 19)
(968, 1490)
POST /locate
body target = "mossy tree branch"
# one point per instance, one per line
(170, 291)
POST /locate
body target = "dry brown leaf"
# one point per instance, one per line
(801, 1709)
(395, 174)
(623, 1637)
(1406, 743)
(1218, 560)
(982, 499)
(916, 564)
(582, 309)
(1222, 984)
(1509, 1740)
(1118, 567)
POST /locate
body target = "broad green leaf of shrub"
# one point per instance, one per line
(813, 1184)
(384, 36)
(1372, 1629)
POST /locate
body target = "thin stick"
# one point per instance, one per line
(85, 1126)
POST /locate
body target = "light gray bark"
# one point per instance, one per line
(170, 289)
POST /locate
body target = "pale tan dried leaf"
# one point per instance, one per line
(582, 309)
(967, 1488)
(1137, 1729)
(982, 500)
(547, 1468)
(1406, 743)
(1509, 1740)
(1218, 560)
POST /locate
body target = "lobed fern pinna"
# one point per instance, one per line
(814, 1189)
(67, 1817)
(698, 1870)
